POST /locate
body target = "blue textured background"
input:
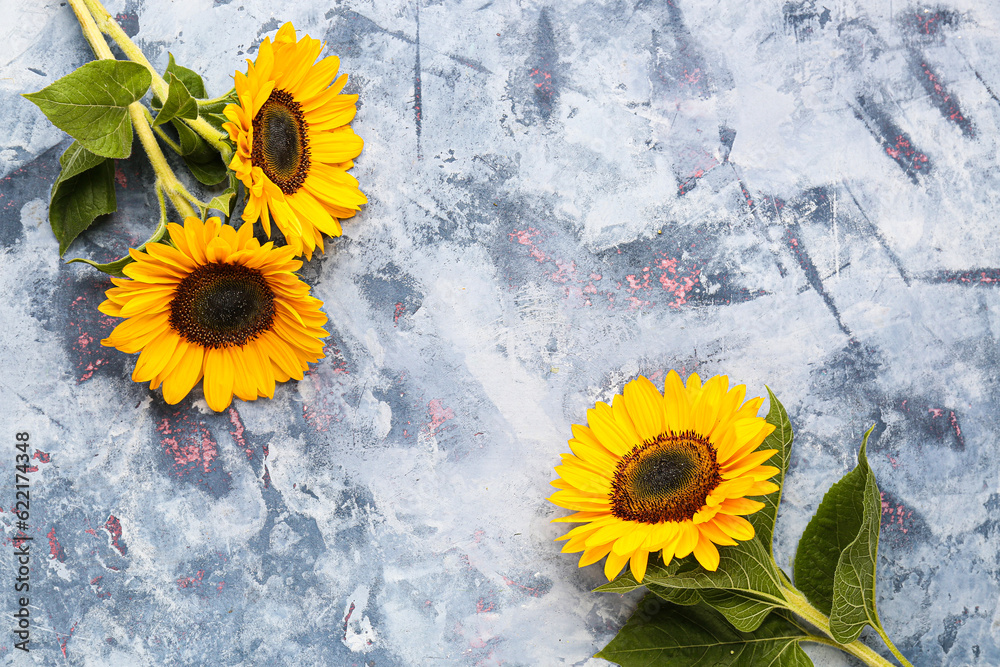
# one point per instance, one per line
(563, 196)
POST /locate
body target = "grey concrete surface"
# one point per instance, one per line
(562, 196)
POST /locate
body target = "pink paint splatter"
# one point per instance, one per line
(327, 406)
(41, 456)
(675, 281)
(189, 443)
(439, 414)
(56, 551)
(191, 582)
(896, 515)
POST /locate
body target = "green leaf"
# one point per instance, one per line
(666, 635)
(745, 612)
(191, 144)
(192, 80)
(216, 120)
(115, 268)
(744, 568)
(838, 522)
(681, 596)
(223, 201)
(781, 439)
(854, 579)
(211, 172)
(91, 104)
(84, 190)
(76, 160)
(111, 268)
(179, 102)
(625, 582)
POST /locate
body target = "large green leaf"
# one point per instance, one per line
(780, 439)
(746, 568)
(84, 190)
(625, 582)
(854, 579)
(666, 635)
(838, 521)
(91, 104)
(179, 102)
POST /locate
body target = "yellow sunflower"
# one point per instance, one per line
(666, 473)
(294, 143)
(215, 304)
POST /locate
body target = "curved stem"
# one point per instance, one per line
(109, 26)
(163, 136)
(799, 606)
(165, 178)
(215, 100)
(892, 647)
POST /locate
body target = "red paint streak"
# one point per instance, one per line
(189, 443)
(347, 618)
(483, 605)
(65, 639)
(904, 152)
(41, 456)
(56, 551)
(114, 528)
(237, 432)
(532, 591)
(400, 309)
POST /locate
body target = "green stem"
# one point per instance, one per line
(90, 31)
(798, 605)
(215, 100)
(165, 178)
(892, 647)
(109, 26)
(163, 136)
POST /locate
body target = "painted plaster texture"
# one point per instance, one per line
(562, 196)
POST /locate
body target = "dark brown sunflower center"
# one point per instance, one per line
(281, 142)
(222, 305)
(666, 479)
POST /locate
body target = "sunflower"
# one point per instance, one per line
(215, 304)
(666, 473)
(293, 141)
